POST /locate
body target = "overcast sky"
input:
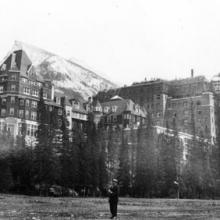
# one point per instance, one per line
(127, 40)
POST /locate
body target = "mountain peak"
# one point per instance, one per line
(66, 74)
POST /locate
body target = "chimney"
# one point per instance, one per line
(192, 73)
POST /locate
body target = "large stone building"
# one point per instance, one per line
(19, 96)
(179, 99)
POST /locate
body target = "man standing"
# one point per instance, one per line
(113, 198)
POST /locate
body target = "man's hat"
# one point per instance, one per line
(115, 180)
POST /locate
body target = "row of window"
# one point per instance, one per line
(21, 113)
(26, 91)
(28, 103)
(184, 104)
(22, 102)
(78, 115)
(33, 115)
(33, 92)
(12, 88)
(30, 82)
(31, 130)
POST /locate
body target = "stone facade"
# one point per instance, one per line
(166, 100)
(19, 96)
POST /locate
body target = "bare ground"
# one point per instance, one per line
(35, 208)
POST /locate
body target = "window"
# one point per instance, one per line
(24, 80)
(27, 114)
(12, 100)
(21, 113)
(13, 87)
(2, 125)
(13, 77)
(34, 104)
(11, 111)
(114, 108)
(34, 115)
(198, 102)
(106, 109)
(33, 131)
(137, 109)
(27, 102)
(3, 67)
(68, 113)
(3, 101)
(98, 109)
(60, 112)
(21, 102)
(28, 129)
(26, 91)
(199, 112)
(186, 112)
(184, 104)
(3, 79)
(158, 96)
(1, 89)
(57, 100)
(127, 116)
(50, 108)
(45, 95)
(59, 122)
(35, 92)
(3, 112)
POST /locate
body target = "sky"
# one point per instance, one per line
(126, 40)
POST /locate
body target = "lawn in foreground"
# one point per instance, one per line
(26, 207)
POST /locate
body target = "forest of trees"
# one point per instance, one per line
(146, 164)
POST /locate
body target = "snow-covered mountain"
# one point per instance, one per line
(66, 74)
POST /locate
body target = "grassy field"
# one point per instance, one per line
(35, 208)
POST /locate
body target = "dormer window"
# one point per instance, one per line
(3, 68)
(68, 113)
(137, 109)
(126, 116)
(106, 109)
(13, 63)
(13, 77)
(76, 105)
(114, 108)
(57, 100)
(98, 109)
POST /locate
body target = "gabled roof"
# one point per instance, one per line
(124, 105)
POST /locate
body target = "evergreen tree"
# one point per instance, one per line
(146, 161)
(193, 171)
(124, 165)
(92, 144)
(102, 160)
(45, 169)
